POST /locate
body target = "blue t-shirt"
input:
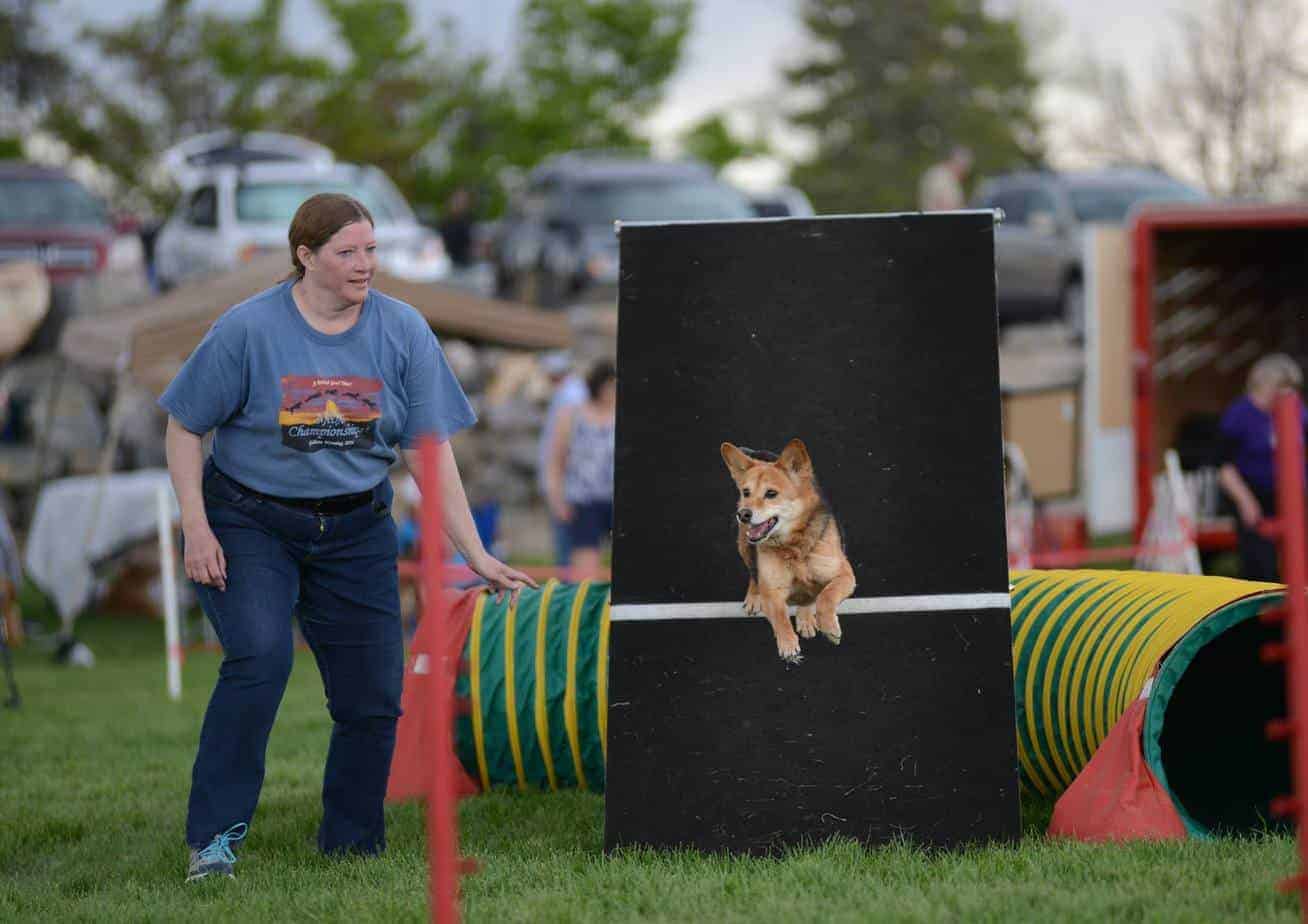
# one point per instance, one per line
(300, 413)
(1249, 443)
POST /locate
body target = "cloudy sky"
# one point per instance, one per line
(736, 51)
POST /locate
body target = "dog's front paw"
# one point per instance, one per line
(806, 623)
(788, 648)
(754, 604)
(830, 627)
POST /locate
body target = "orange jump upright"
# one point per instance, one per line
(1289, 532)
(442, 797)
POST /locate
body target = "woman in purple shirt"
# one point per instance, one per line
(1248, 473)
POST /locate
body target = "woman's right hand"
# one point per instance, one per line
(562, 511)
(1251, 512)
(205, 562)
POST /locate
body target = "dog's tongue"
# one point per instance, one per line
(761, 530)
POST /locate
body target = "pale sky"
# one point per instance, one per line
(735, 54)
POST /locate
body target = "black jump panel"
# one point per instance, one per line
(904, 730)
(873, 340)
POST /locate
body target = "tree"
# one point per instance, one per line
(264, 83)
(183, 73)
(587, 73)
(896, 85)
(30, 72)
(1223, 108)
(712, 141)
(592, 69)
(416, 106)
(383, 104)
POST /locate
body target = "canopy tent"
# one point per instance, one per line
(151, 340)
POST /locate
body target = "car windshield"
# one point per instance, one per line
(1111, 203)
(49, 201)
(657, 200)
(276, 202)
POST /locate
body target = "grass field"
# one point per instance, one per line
(94, 773)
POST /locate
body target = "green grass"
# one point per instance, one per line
(94, 772)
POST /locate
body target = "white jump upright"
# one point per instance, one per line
(168, 573)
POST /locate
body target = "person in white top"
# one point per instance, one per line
(569, 390)
(941, 189)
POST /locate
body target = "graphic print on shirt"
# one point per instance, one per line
(329, 412)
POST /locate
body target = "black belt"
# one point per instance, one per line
(329, 506)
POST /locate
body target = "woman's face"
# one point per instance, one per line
(345, 264)
(1265, 395)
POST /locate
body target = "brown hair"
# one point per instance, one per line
(599, 375)
(317, 219)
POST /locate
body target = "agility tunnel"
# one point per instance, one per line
(1085, 645)
(536, 689)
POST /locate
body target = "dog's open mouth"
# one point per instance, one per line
(759, 531)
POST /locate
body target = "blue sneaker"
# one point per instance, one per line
(217, 858)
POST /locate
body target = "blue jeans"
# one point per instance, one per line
(337, 574)
(562, 541)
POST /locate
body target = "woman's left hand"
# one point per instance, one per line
(500, 576)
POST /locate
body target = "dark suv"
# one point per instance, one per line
(557, 241)
(1038, 245)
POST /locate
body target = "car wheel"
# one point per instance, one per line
(1072, 308)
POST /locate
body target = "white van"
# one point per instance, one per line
(229, 214)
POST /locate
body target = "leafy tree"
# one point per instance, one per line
(712, 141)
(419, 107)
(1224, 106)
(896, 85)
(30, 72)
(265, 84)
(592, 69)
(185, 73)
(587, 73)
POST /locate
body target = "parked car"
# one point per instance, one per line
(557, 240)
(231, 214)
(93, 259)
(1038, 244)
(782, 202)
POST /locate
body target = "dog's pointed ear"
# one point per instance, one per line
(795, 459)
(737, 462)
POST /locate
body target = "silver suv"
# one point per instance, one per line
(1038, 245)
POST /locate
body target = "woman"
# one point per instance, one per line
(310, 388)
(1248, 473)
(580, 487)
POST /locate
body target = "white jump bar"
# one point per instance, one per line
(925, 603)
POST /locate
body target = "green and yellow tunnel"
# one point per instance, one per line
(1085, 643)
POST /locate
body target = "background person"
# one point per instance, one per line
(581, 469)
(312, 388)
(456, 228)
(1248, 472)
(941, 189)
(569, 390)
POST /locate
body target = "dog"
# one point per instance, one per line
(791, 544)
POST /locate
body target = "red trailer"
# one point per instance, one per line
(1213, 289)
